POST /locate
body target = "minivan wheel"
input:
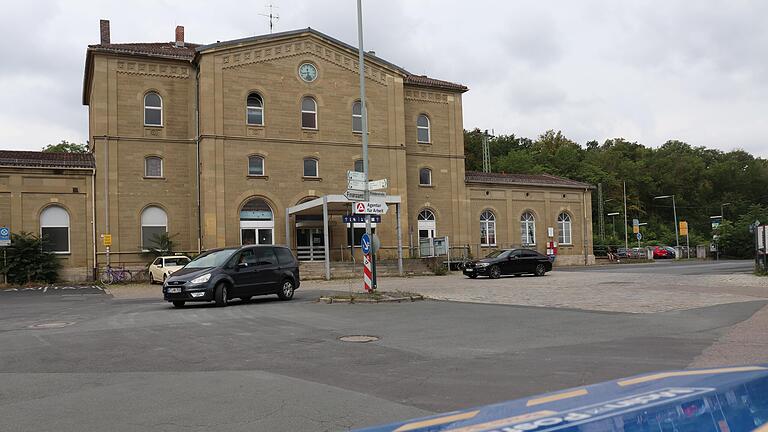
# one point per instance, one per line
(495, 272)
(178, 303)
(286, 290)
(220, 294)
(540, 270)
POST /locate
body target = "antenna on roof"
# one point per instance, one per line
(273, 17)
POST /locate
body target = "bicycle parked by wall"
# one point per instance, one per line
(112, 275)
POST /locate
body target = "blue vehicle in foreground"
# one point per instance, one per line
(728, 399)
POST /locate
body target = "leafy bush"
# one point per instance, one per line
(162, 244)
(28, 261)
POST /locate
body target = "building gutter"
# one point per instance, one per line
(585, 240)
(197, 157)
(93, 223)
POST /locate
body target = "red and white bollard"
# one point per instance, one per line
(367, 273)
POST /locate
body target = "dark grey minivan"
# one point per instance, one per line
(240, 272)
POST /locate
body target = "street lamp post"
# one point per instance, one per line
(613, 222)
(674, 212)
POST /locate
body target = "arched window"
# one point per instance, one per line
(527, 229)
(255, 166)
(425, 177)
(422, 129)
(54, 229)
(255, 110)
(359, 165)
(308, 113)
(487, 228)
(564, 228)
(357, 117)
(311, 168)
(153, 166)
(426, 224)
(256, 222)
(154, 223)
(153, 109)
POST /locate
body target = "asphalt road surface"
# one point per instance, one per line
(674, 267)
(87, 361)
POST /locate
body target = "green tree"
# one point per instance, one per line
(28, 261)
(66, 147)
(162, 244)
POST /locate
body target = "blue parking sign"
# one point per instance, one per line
(365, 243)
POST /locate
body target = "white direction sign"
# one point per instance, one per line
(354, 195)
(377, 184)
(356, 175)
(376, 196)
(368, 207)
(355, 184)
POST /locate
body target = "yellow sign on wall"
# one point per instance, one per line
(683, 228)
(107, 239)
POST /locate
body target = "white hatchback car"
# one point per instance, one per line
(164, 266)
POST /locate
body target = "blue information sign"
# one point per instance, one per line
(365, 243)
(639, 236)
(5, 236)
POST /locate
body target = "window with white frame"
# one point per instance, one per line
(153, 109)
(154, 223)
(422, 129)
(425, 177)
(254, 110)
(255, 166)
(357, 117)
(564, 233)
(527, 229)
(308, 113)
(311, 168)
(54, 229)
(487, 228)
(153, 166)
(256, 222)
(426, 224)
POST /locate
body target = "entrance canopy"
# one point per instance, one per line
(338, 205)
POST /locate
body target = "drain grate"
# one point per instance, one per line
(50, 325)
(359, 338)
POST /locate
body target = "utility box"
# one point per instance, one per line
(701, 251)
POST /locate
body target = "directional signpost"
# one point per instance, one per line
(377, 184)
(365, 245)
(368, 207)
(5, 240)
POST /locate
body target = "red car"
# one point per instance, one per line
(662, 252)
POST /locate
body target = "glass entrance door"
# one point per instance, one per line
(310, 244)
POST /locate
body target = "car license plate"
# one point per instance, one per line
(174, 290)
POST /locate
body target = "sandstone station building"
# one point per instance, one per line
(249, 140)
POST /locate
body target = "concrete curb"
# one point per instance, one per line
(353, 300)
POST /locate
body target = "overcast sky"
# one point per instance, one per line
(647, 71)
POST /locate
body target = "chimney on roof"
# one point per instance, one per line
(104, 31)
(179, 36)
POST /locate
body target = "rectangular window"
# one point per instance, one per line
(423, 135)
(310, 168)
(150, 235)
(309, 120)
(56, 239)
(357, 123)
(153, 167)
(357, 235)
(425, 177)
(153, 116)
(255, 116)
(256, 166)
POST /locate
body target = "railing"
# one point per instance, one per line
(310, 253)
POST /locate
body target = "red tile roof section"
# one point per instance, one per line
(423, 80)
(37, 159)
(523, 179)
(152, 49)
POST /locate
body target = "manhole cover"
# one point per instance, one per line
(359, 338)
(51, 325)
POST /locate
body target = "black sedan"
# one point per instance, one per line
(509, 262)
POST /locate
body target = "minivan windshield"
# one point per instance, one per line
(211, 259)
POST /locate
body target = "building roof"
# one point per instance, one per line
(169, 50)
(151, 49)
(36, 159)
(523, 179)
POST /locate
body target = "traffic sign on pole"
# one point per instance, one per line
(354, 195)
(5, 236)
(365, 244)
(368, 207)
(367, 273)
(639, 236)
(377, 184)
(356, 185)
(356, 176)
